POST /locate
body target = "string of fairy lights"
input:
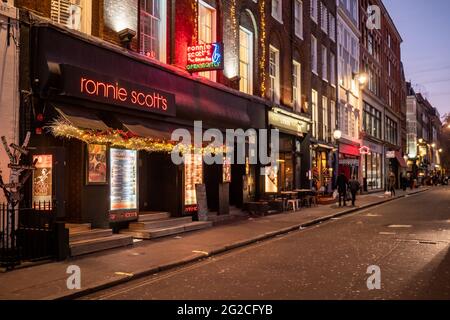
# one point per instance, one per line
(126, 140)
(194, 7)
(262, 61)
(234, 27)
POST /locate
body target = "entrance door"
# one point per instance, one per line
(160, 184)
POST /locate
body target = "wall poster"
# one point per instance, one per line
(96, 167)
(42, 178)
(123, 173)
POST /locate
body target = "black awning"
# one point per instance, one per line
(81, 118)
(145, 128)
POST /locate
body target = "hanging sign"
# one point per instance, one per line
(205, 57)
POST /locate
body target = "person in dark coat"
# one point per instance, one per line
(354, 187)
(341, 183)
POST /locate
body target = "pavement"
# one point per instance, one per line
(113, 267)
(404, 243)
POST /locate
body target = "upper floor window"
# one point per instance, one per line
(324, 18)
(332, 69)
(298, 17)
(296, 86)
(314, 11)
(274, 74)
(207, 30)
(246, 60)
(324, 63)
(277, 9)
(332, 28)
(74, 14)
(314, 54)
(152, 29)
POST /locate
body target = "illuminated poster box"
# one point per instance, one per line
(205, 57)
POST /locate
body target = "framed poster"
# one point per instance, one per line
(96, 164)
(43, 178)
(226, 172)
(193, 175)
(123, 175)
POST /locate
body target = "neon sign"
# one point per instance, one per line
(102, 88)
(205, 57)
(364, 150)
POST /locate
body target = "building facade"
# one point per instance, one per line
(349, 88)
(9, 82)
(383, 98)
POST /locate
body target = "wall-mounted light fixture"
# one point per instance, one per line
(126, 36)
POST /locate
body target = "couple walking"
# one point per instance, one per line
(343, 184)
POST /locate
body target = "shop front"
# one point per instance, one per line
(292, 167)
(107, 122)
(397, 165)
(372, 167)
(322, 168)
(349, 160)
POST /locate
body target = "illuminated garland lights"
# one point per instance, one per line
(235, 27)
(194, 7)
(262, 61)
(125, 139)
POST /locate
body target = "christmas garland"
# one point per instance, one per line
(122, 139)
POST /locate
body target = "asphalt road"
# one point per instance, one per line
(408, 239)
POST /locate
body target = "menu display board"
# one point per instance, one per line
(96, 164)
(193, 174)
(123, 173)
(43, 178)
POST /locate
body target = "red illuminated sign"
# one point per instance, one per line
(364, 150)
(102, 88)
(205, 57)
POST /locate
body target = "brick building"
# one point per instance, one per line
(383, 122)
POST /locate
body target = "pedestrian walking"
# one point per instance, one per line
(342, 182)
(391, 184)
(354, 187)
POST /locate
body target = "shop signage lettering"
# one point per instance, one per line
(285, 122)
(205, 57)
(364, 150)
(102, 88)
(390, 154)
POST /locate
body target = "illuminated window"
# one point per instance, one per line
(207, 31)
(152, 29)
(74, 14)
(296, 86)
(246, 60)
(325, 118)
(298, 18)
(274, 74)
(314, 113)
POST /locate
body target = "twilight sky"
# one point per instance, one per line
(425, 28)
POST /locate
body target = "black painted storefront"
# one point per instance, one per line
(57, 57)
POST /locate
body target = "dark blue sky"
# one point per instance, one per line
(425, 29)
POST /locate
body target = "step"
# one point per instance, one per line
(162, 232)
(90, 234)
(78, 227)
(159, 223)
(99, 244)
(152, 216)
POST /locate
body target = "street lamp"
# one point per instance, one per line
(420, 140)
(433, 145)
(440, 150)
(337, 134)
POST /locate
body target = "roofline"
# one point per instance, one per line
(391, 21)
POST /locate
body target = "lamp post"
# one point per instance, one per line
(337, 135)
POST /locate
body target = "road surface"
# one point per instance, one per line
(408, 239)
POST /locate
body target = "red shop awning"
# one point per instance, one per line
(349, 149)
(400, 159)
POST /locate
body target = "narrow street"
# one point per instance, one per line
(407, 238)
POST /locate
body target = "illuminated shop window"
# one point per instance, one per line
(74, 14)
(153, 29)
